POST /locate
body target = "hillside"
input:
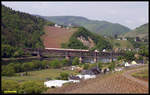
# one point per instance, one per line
(100, 27)
(54, 36)
(20, 30)
(84, 39)
(141, 32)
(120, 43)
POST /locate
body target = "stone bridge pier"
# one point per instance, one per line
(80, 59)
(67, 56)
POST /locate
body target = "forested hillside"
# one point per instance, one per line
(100, 27)
(82, 39)
(20, 30)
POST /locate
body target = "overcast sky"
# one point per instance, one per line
(130, 14)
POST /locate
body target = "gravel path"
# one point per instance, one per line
(110, 83)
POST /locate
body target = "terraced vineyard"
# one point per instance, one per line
(54, 36)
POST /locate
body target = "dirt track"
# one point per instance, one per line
(110, 83)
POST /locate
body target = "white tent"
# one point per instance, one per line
(133, 62)
(126, 64)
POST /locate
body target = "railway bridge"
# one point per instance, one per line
(67, 53)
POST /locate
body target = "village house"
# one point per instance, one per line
(56, 25)
(124, 39)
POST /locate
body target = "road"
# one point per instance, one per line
(110, 83)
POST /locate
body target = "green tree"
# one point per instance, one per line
(17, 67)
(144, 51)
(85, 66)
(44, 64)
(55, 63)
(75, 61)
(129, 55)
(8, 70)
(7, 50)
(32, 87)
(100, 65)
(65, 62)
(10, 85)
(37, 64)
(18, 53)
(112, 66)
(64, 76)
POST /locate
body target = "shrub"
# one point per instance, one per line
(112, 66)
(64, 62)
(17, 67)
(10, 85)
(37, 64)
(55, 63)
(75, 61)
(100, 65)
(86, 66)
(64, 76)
(8, 70)
(44, 64)
(32, 87)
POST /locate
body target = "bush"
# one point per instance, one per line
(37, 64)
(7, 50)
(75, 61)
(129, 55)
(8, 70)
(65, 62)
(100, 65)
(32, 87)
(86, 66)
(44, 64)
(17, 67)
(55, 63)
(112, 66)
(64, 76)
(27, 66)
(10, 85)
(18, 53)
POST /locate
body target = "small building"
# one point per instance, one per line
(56, 25)
(124, 39)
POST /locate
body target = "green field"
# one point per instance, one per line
(39, 75)
(120, 43)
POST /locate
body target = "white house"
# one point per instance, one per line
(124, 39)
(56, 25)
